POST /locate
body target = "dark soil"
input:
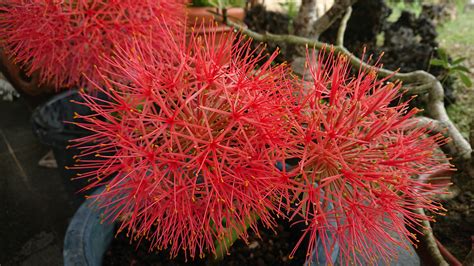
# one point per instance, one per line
(455, 229)
(270, 249)
(261, 20)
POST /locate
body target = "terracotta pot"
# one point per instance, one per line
(202, 21)
(207, 15)
(23, 83)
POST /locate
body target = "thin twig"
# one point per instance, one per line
(330, 16)
(436, 127)
(417, 89)
(428, 248)
(21, 170)
(342, 28)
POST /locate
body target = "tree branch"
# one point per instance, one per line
(434, 125)
(435, 108)
(428, 248)
(342, 28)
(324, 22)
(417, 89)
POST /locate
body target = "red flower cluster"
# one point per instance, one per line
(360, 156)
(191, 141)
(65, 39)
(190, 135)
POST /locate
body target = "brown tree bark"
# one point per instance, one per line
(335, 12)
(308, 24)
(307, 16)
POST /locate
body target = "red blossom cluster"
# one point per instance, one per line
(192, 137)
(64, 40)
(360, 155)
(189, 137)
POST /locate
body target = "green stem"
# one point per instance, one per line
(230, 236)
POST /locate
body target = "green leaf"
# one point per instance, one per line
(461, 68)
(465, 79)
(442, 54)
(459, 60)
(231, 236)
(438, 62)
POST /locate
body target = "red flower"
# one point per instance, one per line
(189, 140)
(189, 143)
(65, 39)
(360, 156)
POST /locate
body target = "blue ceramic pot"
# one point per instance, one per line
(87, 239)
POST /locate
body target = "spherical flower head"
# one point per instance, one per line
(187, 146)
(64, 40)
(360, 155)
